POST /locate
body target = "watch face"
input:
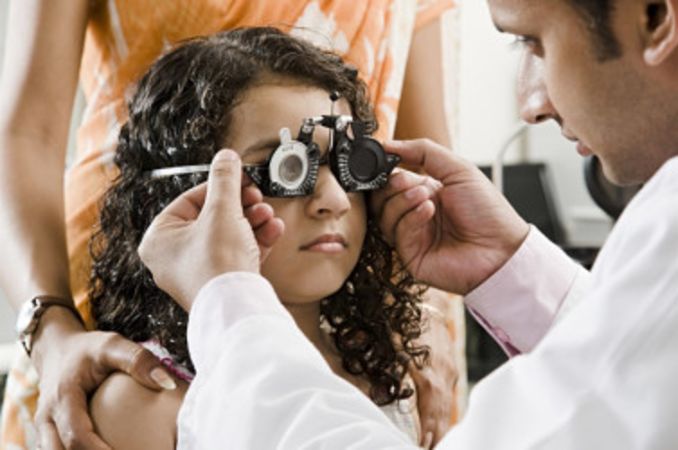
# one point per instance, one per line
(25, 317)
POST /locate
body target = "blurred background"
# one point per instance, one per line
(547, 179)
(7, 314)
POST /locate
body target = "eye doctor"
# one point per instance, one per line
(594, 354)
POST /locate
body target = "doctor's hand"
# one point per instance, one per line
(450, 226)
(216, 227)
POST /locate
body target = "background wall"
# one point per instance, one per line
(487, 115)
(6, 312)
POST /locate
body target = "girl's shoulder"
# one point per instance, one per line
(129, 415)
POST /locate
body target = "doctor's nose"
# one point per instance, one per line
(533, 99)
(329, 199)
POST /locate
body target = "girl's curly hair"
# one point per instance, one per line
(180, 115)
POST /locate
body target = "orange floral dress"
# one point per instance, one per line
(124, 37)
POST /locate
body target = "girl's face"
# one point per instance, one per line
(324, 232)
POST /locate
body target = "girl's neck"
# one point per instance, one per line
(307, 318)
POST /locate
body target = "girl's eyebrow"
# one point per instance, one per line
(267, 143)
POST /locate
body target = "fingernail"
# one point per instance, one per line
(428, 440)
(422, 207)
(226, 155)
(163, 379)
(412, 193)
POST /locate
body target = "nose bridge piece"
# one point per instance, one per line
(329, 196)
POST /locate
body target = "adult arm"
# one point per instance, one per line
(427, 85)
(40, 74)
(451, 220)
(537, 287)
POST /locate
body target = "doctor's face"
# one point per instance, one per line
(615, 108)
(324, 232)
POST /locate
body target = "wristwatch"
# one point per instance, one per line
(29, 316)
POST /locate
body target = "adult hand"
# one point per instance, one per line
(451, 227)
(436, 381)
(206, 232)
(73, 366)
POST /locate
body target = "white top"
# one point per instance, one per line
(604, 377)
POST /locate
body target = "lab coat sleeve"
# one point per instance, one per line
(519, 303)
(261, 385)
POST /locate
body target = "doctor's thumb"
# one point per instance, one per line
(223, 183)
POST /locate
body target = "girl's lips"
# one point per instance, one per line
(326, 247)
(327, 243)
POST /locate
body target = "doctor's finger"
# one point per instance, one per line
(413, 222)
(224, 183)
(258, 214)
(398, 206)
(435, 160)
(74, 426)
(186, 206)
(401, 180)
(269, 232)
(251, 195)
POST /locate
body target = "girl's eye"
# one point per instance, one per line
(259, 159)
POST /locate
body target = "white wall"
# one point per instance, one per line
(6, 312)
(488, 114)
(486, 90)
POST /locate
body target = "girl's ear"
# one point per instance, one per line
(660, 30)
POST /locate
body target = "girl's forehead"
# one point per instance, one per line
(290, 96)
(265, 109)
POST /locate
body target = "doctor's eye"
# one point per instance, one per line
(529, 43)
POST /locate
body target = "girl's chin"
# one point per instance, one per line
(309, 295)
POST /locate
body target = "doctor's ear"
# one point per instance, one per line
(660, 30)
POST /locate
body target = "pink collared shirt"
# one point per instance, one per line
(522, 300)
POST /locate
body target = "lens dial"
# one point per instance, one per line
(360, 164)
(291, 170)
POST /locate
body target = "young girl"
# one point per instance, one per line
(331, 269)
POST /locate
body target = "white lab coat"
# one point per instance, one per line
(604, 377)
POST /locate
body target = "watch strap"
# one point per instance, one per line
(40, 304)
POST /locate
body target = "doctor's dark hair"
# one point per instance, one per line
(180, 115)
